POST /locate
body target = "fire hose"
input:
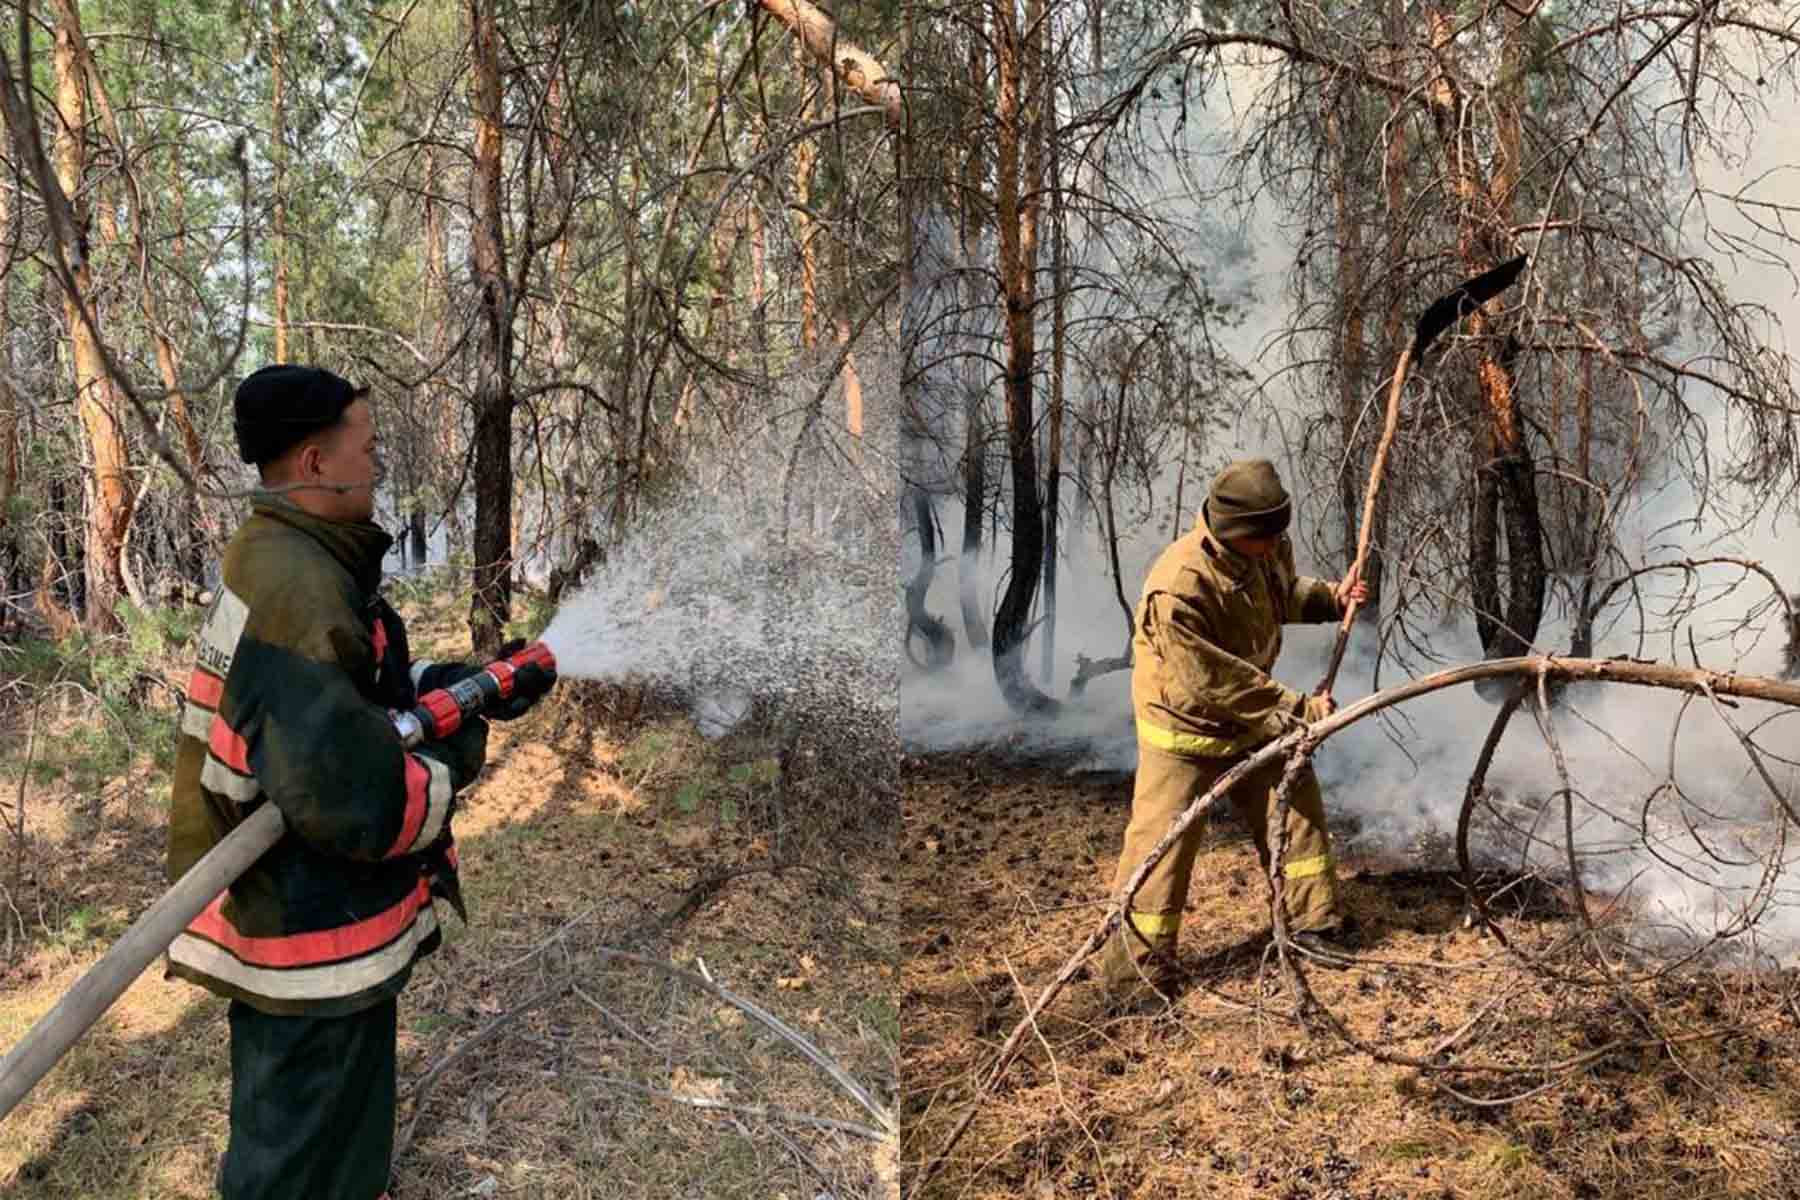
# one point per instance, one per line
(438, 714)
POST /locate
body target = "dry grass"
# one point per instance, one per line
(574, 839)
(1005, 871)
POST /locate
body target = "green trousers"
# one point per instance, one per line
(1168, 783)
(312, 1105)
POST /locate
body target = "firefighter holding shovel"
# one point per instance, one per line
(1206, 633)
(299, 671)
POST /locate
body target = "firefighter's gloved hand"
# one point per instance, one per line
(464, 751)
(530, 684)
(444, 674)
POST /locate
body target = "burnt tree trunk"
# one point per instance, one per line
(1019, 155)
(1058, 363)
(415, 532)
(975, 630)
(940, 644)
(1506, 482)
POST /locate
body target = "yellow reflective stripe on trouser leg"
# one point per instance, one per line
(1193, 745)
(1306, 868)
(1153, 925)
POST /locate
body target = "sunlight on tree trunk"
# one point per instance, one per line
(108, 487)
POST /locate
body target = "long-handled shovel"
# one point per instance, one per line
(1444, 312)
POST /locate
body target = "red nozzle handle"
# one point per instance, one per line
(537, 654)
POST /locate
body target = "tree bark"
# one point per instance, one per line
(109, 491)
(1019, 162)
(163, 346)
(850, 378)
(806, 157)
(1506, 480)
(971, 217)
(1058, 364)
(1352, 370)
(58, 588)
(440, 416)
(940, 644)
(491, 604)
(278, 154)
(9, 400)
(759, 257)
(1393, 332)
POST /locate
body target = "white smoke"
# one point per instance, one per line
(1697, 856)
(747, 585)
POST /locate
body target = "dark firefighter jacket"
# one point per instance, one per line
(1206, 633)
(296, 668)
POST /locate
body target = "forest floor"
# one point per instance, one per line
(1006, 868)
(553, 1069)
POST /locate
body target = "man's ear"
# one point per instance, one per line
(306, 461)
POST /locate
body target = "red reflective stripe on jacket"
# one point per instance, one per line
(229, 746)
(310, 949)
(206, 689)
(379, 638)
(418, 800)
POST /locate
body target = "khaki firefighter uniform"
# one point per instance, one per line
(1206, 632)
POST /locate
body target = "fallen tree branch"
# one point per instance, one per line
(1694, 681)
(774, 1023)
(1089, 669)
(767, 1112)
(696, 896)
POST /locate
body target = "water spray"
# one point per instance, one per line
(438, 714)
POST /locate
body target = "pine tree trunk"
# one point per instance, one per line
(9, 400)
(1506, 477)
(278, 148)
(1019, 159)
(490, 606)
(970, 219)
(1058, 356)
(442, 423)
(1352, 363)
(109, 490)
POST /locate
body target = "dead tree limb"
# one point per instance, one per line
(1444, 312)
(859, 70)
(1089, 669)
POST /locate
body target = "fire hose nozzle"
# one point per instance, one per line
(441, 712)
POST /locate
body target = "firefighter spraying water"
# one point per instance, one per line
(438, 714)
(317, 769)
(720, 601)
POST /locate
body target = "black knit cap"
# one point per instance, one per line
(279, 405)
(1248, 501)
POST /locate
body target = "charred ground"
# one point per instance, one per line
(1687, 1087)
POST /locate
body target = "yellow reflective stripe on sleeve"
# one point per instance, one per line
(1156, 924)
(1194, 745)
(1306, 868)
